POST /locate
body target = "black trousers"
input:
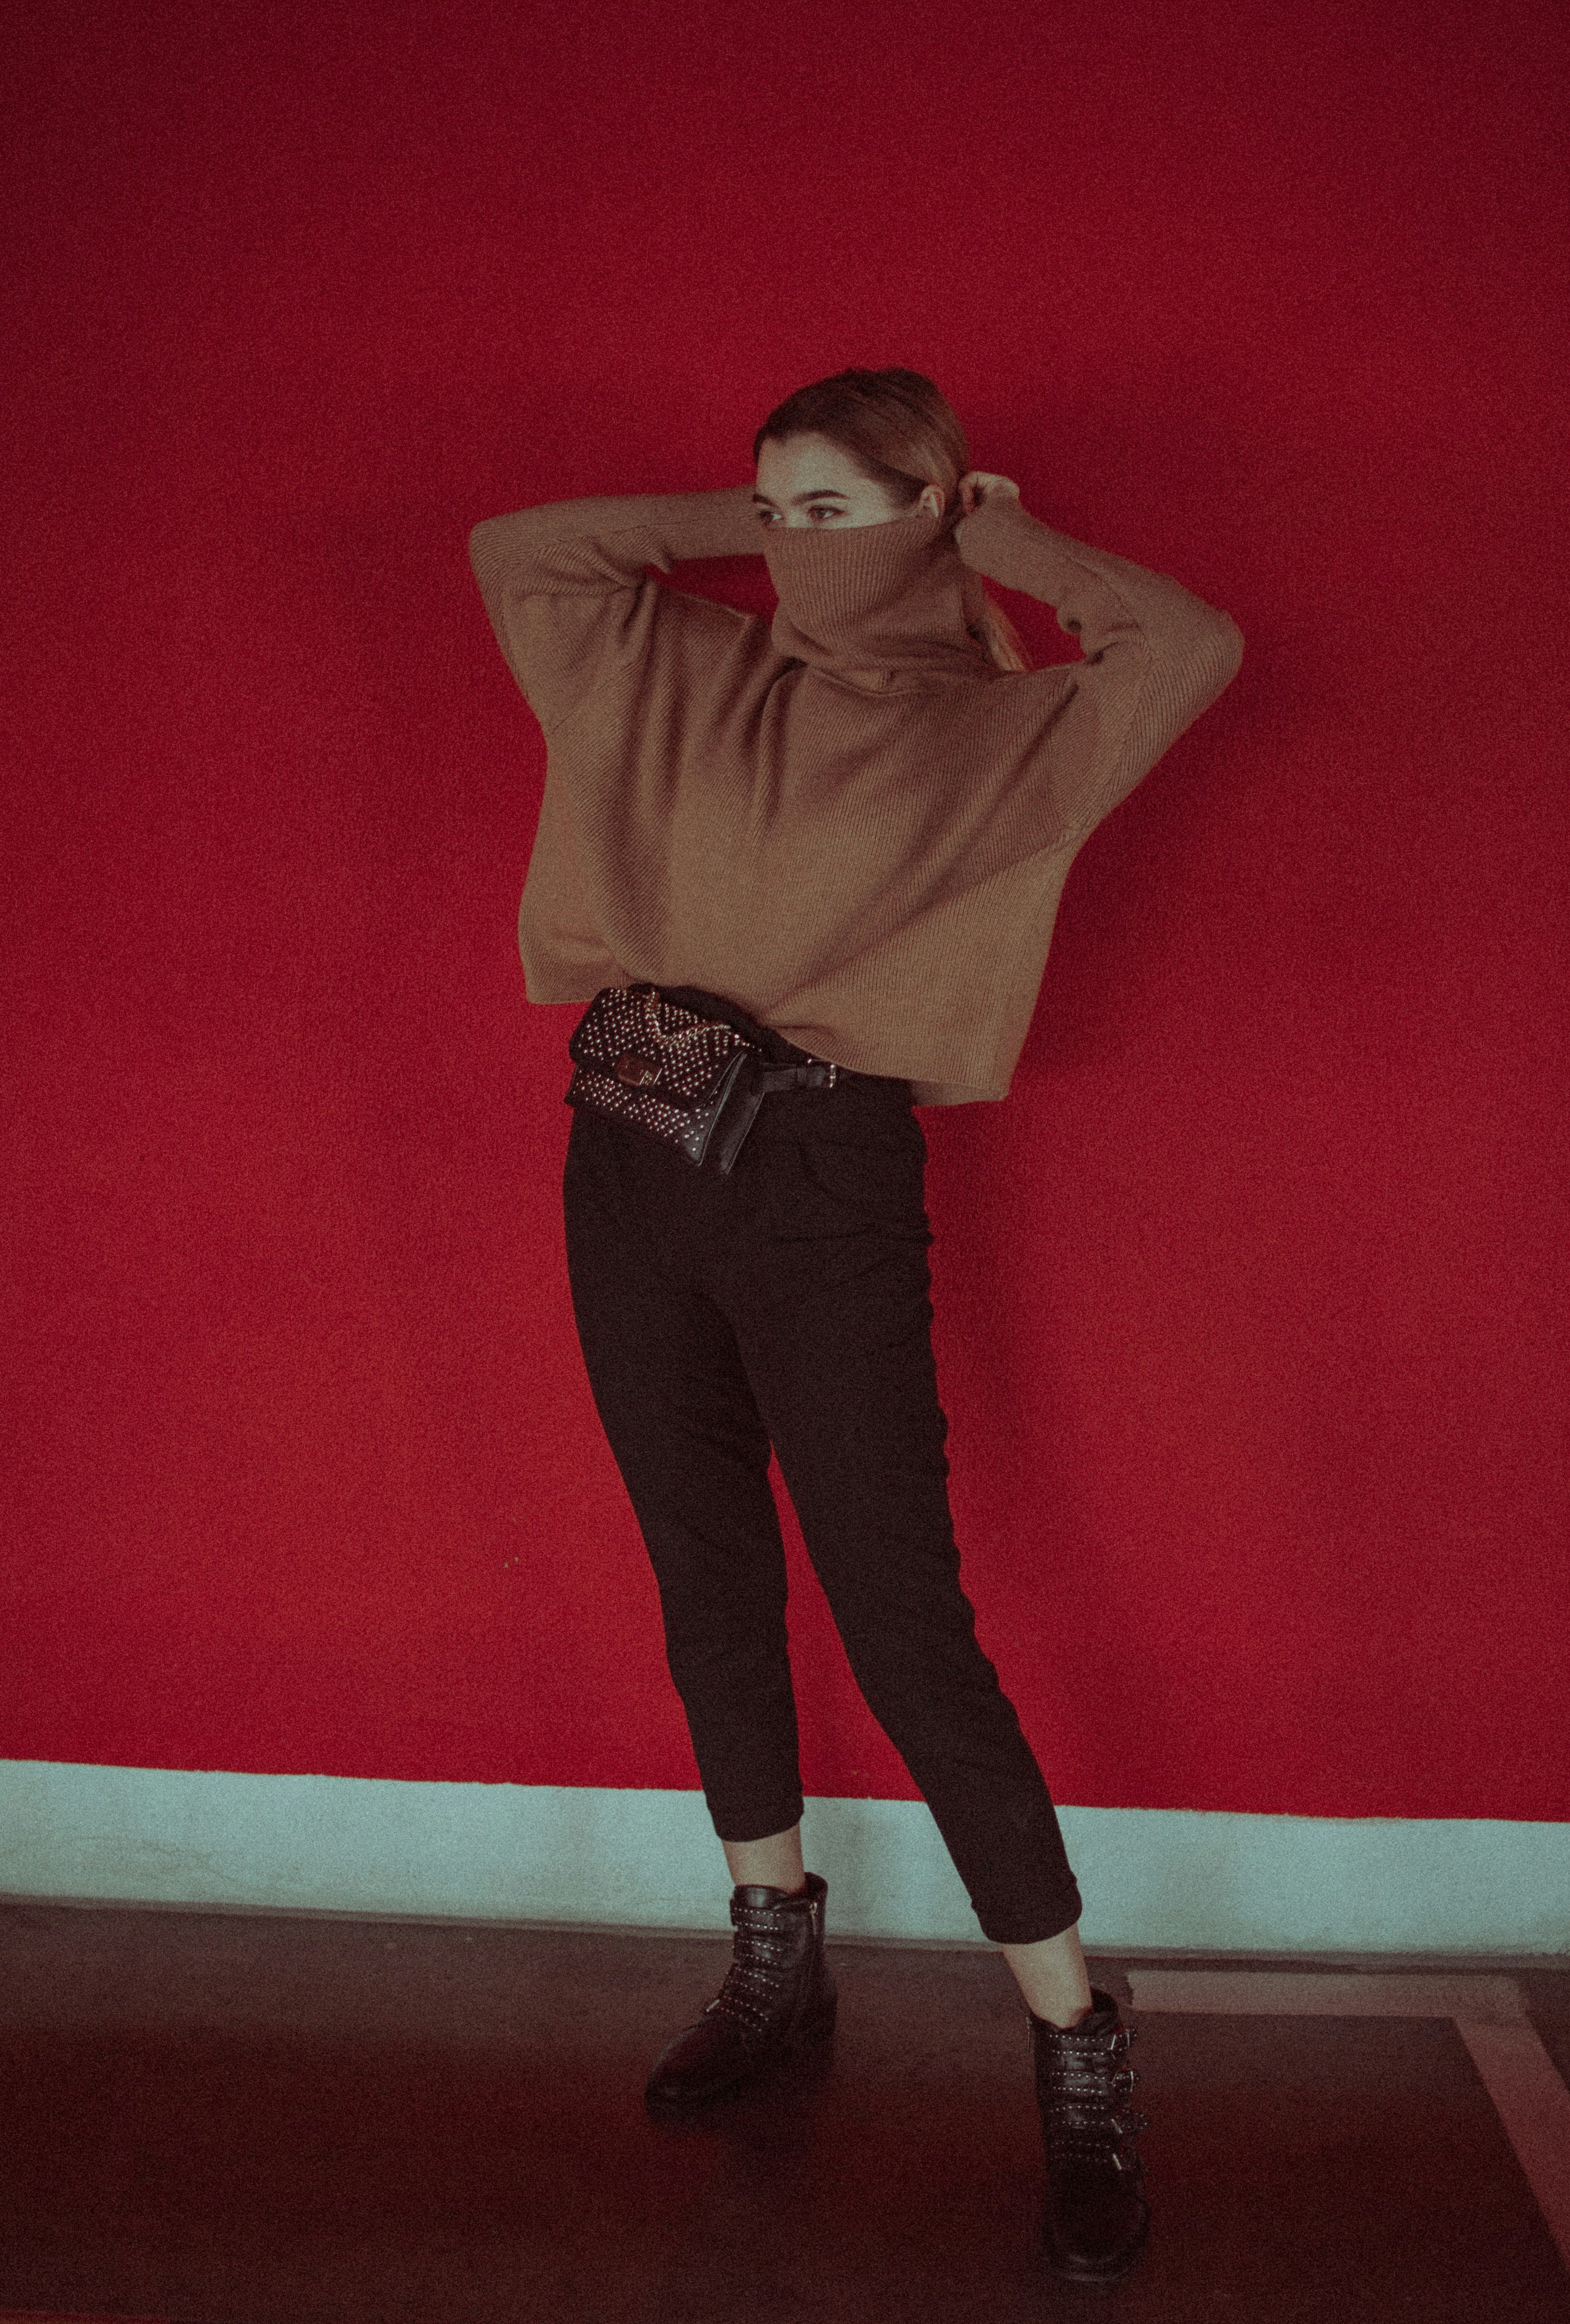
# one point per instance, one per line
(789, 1302)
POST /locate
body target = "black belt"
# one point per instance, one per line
(817, 1075)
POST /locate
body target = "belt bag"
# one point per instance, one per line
(691, 1082)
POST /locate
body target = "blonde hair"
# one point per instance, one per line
(903, 433)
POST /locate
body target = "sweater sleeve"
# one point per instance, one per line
(560, 582)
(1154, 655)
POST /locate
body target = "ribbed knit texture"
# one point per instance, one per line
(848, 821)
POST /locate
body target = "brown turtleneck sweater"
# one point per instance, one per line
(848, 821)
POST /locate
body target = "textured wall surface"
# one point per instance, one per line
(1249, 1298)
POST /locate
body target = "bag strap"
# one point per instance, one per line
(752, 1085)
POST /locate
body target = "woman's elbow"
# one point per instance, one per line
(1224, 653)
(484, 539)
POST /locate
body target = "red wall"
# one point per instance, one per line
(1248, 1298)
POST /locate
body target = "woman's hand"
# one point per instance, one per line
(977, 487)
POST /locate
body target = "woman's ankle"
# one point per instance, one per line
(1064, 2025)
(774, 1862)
(1053, 1977)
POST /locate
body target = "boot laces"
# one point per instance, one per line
(758, 1980)
(1083, 2087)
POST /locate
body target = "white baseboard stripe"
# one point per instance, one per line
(1327, 1993)
(1153, 1879)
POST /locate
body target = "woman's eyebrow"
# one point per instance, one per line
(800, 499)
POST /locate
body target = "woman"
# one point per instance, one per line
(844, 833)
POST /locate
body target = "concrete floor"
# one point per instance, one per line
(231, 2118)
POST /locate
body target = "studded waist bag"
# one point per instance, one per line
(693, 1081)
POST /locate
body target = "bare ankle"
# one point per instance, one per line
(1053, 1977)
(1064, 2025)
(774, 1862)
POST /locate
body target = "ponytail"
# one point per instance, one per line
(998, 635)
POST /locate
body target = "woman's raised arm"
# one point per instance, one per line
(1155, 655)
(551, 576)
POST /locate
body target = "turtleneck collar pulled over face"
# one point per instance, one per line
(886, 608)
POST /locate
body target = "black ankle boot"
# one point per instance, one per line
(777, 1995)
(1096, 2217)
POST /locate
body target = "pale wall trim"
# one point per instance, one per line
(1153, 1879)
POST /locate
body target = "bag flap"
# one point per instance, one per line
(630, 1033)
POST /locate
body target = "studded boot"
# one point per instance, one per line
(778, 1995)
(1096, 2217)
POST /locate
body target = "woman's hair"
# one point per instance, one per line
(903, 433)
